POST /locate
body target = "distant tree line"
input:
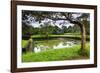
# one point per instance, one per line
(47, 29)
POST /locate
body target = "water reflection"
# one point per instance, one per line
(58, 43)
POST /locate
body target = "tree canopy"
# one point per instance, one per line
(58, 20)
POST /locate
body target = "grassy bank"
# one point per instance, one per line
(24, 43)
(57, 54)
(62, 36)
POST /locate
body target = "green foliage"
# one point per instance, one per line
(46, 29)
(56, 55)
(27, 29)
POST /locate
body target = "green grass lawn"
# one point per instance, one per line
(71, 53)
(68, 35)
(24, 43)
(40, 36)
(72, 33)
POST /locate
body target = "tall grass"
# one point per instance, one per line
(71, 53)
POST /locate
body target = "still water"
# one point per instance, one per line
(58, 43)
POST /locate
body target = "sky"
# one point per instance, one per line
(57, 23)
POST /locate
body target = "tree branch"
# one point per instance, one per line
(71, 21)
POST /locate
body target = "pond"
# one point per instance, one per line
(57, 43)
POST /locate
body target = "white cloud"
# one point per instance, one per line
(59, 23)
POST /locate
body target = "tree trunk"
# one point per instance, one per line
(30, 45)
(83, 38)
